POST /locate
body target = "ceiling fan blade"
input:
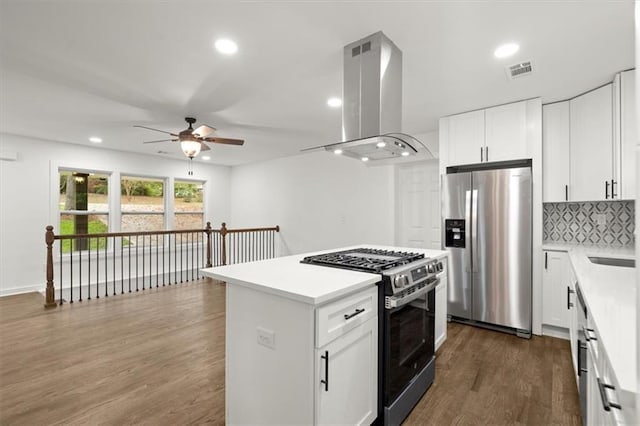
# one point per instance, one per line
(225, 141)
(156, 130)
(204, 130)
(162, 140)
(204, 147)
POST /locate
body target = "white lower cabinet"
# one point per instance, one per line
(555, 289)
(573, 320)
(441, 310)
(290, 362)
(346, 377)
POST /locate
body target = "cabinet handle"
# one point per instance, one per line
(606, 404)
(606, 189)
(481, 155)
(578, 353)
(586, 332)
(566, 192)
(357, 312)
(486, 153)
(613, 194)
(569, 291)
(325, 382)
(545, 259)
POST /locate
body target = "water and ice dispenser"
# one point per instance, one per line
(454, 233)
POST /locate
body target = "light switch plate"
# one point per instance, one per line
(266, 337)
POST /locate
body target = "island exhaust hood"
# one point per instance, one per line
(372, 104)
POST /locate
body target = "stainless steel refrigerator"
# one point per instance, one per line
(487, 231)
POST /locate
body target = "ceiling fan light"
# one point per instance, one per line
(190, 148)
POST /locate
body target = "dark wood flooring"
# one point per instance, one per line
(158, 358)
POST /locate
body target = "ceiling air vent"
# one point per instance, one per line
(520, 69)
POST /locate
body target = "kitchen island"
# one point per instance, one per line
(301, 342)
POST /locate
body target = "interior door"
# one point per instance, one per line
(456, 199)
(501, 247)
(418, 205)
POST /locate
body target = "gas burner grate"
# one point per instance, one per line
(363, 259)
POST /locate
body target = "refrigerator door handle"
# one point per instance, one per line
(467, 236)
(474, 230)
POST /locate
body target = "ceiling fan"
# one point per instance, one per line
(192, 141)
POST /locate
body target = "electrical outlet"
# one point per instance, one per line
(601, 219)
(266, 337)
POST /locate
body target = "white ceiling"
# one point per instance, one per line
(72, 69)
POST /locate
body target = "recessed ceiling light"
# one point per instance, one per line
(206, 157)
(226, 46)
(506, 50)
(405, 153)
(95, 139)
(365, 158)
(381, 144)
(337, 151)
(334, 102)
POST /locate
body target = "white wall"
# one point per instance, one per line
(29, 184)
(320, 201)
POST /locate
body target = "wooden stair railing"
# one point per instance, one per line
(222, 246)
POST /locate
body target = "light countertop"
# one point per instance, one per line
(312, 284)
(610, 296)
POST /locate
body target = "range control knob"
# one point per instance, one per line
(400, 281)
(439, 266)
(431, 268)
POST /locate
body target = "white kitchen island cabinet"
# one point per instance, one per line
(282, 320)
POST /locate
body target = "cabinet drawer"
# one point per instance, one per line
(337, 318)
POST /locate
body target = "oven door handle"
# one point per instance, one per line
(397, 303)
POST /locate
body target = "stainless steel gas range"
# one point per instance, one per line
(406, 313)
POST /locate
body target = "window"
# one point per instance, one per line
(188, 205)
(84, 208)
(142, 204)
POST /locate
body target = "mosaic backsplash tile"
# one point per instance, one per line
(577, 223)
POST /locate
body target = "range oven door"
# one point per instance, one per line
(409, 339)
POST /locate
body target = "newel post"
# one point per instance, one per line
(208, 231)
(223, 233)
(49, 301)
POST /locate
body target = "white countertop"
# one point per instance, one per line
(610, 295)
(312, 284)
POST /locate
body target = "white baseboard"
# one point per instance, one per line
(552, 331)
(20, 290)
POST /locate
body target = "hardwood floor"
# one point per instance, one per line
(158, 359)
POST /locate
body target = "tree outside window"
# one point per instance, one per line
(188, 205)
(84, 208)
(142, 204)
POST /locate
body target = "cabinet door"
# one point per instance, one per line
(466, 138)
(555, 152)
(346, 377)
(506, 132)
(555, 279)
(592, 145)
(441, 312)
(628, 135)
(573, 322)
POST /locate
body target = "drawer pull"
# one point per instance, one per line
(357, 312)
(606, 404)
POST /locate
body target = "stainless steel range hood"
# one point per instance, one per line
(372, 104)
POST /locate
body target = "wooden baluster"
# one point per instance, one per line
(50, 300)
(223, 252)
(106, 268)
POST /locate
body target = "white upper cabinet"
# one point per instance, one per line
(628, 134)
(555, 152)
(466, 137)
(506, 132)
(591, 166)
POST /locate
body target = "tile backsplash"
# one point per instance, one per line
(599, 223)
